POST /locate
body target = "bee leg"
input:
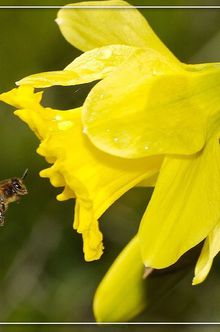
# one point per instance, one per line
(3, 208)
(18, 199)
(2, 218)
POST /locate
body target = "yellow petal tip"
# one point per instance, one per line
(59, 20)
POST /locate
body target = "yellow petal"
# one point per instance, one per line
(21, 98)
(90, 66)
(210, 249)
(95, 178)
(184, 207)
(90, 28)
(124, 293)
(121, 295)
(150, 182)
(152, 106)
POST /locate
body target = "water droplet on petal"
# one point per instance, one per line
(65, 125)
(105, 54)
(57, 118)
(115, 139)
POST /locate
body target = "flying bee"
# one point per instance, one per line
(11, 190)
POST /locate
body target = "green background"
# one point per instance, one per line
(43, 276)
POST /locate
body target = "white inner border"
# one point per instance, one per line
(110, 7)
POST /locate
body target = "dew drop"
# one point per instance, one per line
(115, 139)
(105, 54)
(84, 130)
(57, 118)
(146, 147)
(64, 125)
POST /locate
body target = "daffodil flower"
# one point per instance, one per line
(148, 114)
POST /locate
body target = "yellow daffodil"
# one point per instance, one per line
(148, 114)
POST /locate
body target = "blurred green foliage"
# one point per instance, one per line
(43, 276)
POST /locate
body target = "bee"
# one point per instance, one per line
(11, 190)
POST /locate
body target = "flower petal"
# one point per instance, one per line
(89, 28)
(210, 249)
(184, 207)
(95, 178)
(150, 182)
(121, 295)
(126, 289)
(90, 66)
(151, 106)
(21, 98)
